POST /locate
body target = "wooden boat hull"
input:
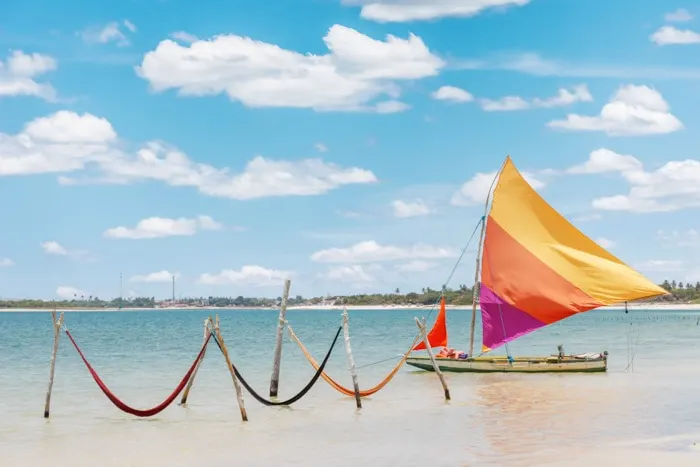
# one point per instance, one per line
(551, 364)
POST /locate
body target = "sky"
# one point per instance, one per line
(345, 144)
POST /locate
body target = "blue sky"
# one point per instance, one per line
(342, 143)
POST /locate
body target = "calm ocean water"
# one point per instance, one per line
(646, 415)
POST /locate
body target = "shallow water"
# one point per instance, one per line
(646, 415)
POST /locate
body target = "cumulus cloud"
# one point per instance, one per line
(673, 186)
(564, 97)
(356, 72)
(632, 111)
(353, 274)
(410, 208)
(154, 277)
(159, 227)
(18, 75)
(475, 190)
(6, 262)
(668, 35)
(452, 93)
(56, 249)
(416, 10)
(252, 275)
(66, 142)
(371, 251)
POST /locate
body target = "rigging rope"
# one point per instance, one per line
(335, 384)
(124, 407)
(300, 394)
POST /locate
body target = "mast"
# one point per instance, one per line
(477, 270)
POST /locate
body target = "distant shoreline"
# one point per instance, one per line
(643, 306)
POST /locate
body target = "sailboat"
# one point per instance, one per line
(536, 269)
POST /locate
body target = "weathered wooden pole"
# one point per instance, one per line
(57, 323)
(351, 361)
(236, 384)
(207, 331)
(275, 379)
(424, 332)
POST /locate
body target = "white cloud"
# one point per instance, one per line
(605, 242)
(320, 147)
(70, 293)
(18, 73)
(416, 10)
(252, 275)
(668, 35)
(685, 238)
(61, 142)
(356, 71)
(69, 142)
(632, 111)
(563, 98)
(658, 265)
(410, 209)
(416, 266)
(371, 251)
(6, 262)
(110, 32)
(673, 186)
(504, 104)
(56, 249)
(604, 160)
(391, 107)
(681, 15)
(351, 274)
(160, 276)
(184, 37)
(159, 227)
(476, 190)
(451, 93)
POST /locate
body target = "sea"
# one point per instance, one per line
(643, 411)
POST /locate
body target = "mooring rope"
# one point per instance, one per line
(335, 384)
(300, 394)
(124, 407)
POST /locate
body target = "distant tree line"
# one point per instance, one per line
(679, 293)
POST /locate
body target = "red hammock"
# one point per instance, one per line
(130, 410)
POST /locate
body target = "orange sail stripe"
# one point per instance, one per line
(438, 335)
(525, 282)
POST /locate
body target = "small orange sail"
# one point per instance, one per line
(438, 335)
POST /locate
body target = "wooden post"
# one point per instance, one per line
(57, 323)
(275, 379)
(424, 332)
(207, 331)
(351, 361)
(236, 384)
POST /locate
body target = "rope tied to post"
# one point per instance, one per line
(123, 406)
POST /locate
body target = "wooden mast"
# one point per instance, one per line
(475, 290)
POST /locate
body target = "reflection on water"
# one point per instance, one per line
(618, 418)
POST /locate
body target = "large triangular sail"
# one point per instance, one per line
(537, 268)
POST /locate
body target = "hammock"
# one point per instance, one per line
(300, 394)
(342, 389)
(124, 407)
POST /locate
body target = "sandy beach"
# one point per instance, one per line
(640, 306)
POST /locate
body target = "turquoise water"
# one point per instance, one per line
(642, 416)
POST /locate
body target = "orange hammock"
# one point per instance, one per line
(342, 389)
